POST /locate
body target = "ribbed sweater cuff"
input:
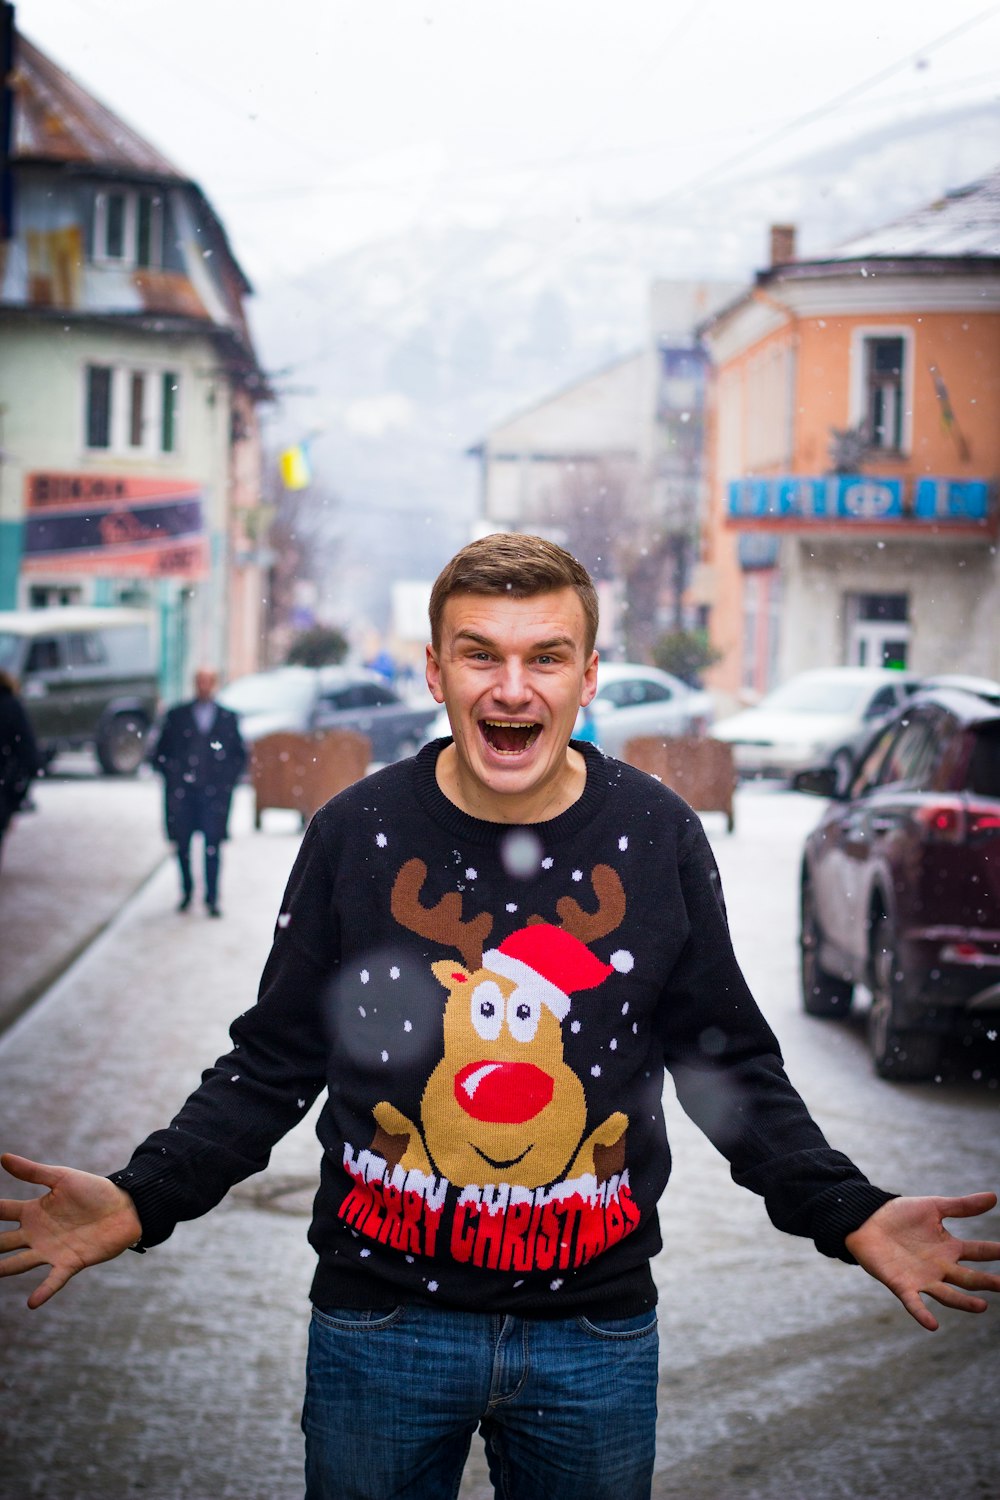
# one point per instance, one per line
(841, 1210)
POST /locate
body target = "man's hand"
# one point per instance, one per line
(905, 1245)
(81, 1221)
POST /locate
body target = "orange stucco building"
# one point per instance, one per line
(854, 455)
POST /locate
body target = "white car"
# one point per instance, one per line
(813, 719)
(632, 700)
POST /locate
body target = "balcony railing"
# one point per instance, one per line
(860, 499)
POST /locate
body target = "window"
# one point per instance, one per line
(914, 753)
(128, 228)
(44, 655)
(99, 406)
(86, 650)
(881, 387)
(131, 410)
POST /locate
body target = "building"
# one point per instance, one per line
(854, 454)
(129, 452)
(611, 466)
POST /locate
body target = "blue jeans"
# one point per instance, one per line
(567, 1408)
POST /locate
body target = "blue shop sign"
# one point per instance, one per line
(856, 497)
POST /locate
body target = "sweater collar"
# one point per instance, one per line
(477, 831)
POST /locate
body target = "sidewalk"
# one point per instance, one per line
(66, 869)
(145, 1377)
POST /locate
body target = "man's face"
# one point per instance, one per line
(512, 673)
(204, 685)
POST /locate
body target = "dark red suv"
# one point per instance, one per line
(901, 880)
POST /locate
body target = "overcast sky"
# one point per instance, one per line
(318, 125)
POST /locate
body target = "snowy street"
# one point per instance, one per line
(178, 1375)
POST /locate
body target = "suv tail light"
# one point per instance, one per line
(954, 821)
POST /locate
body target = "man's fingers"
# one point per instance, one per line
(13, 1239)
(23, 1260)
(26, 1170)
(978, 1250)
(949, 1296)
(916, 1309)
(53, 1283)
(966, 1207)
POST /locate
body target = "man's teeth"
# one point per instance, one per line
(525, 730)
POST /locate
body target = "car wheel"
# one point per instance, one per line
(898, 1052)
(823, 994)
(122, 744)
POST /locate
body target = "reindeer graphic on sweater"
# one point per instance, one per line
(500, 1166)
(503, 1105)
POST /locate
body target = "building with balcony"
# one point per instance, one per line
(854, 454)
(129, 385)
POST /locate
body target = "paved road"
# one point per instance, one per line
(177, 1375)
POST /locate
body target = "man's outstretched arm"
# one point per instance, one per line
(81, 1221)
(905, 1245)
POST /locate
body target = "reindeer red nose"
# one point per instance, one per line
(503, 1093)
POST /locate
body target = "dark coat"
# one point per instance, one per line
(19, 758)
(209, 764)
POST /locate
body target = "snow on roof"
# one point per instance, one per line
(965, 222)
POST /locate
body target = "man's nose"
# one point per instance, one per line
(512, 685)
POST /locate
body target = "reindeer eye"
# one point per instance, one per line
(487, 1010)
(523, 1012)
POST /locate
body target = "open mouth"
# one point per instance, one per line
(509, 737)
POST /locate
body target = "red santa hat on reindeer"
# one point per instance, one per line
(551, 963)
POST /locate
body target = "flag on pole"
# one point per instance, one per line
(296, 471)
(948, 421)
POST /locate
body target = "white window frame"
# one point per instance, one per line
(129, 258)
(119, 433)
(858, 411)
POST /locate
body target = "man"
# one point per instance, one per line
(487, 954)
(20, 761)
(200, 755)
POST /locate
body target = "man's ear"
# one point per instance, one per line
(432, 671)
(589, 681)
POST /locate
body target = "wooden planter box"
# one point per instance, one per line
(302, 771)
(699, 769)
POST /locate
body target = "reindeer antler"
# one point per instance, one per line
(587, 925)
(441, 923)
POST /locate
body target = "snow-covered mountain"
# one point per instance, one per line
(400, 355)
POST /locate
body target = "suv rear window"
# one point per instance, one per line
(984, 763)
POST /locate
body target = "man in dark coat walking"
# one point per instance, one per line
(200, 755)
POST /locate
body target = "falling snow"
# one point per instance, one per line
(381, 840)
(365, 976)
(623, 842)
(284, 919)
(595, 1071)
(394, 972)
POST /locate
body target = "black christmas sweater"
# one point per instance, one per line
(490, 1009)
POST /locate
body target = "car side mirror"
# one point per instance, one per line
(820, 781)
